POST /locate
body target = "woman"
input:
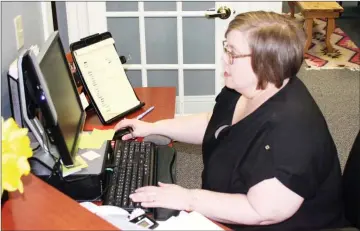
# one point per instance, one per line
(269, 159)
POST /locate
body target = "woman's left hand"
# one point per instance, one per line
(169, 196)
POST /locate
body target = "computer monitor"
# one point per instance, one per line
(49, 79)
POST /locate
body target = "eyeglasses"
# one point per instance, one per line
(231, 56)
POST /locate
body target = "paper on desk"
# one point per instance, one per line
(98, 137)
(118, 220)
(103, 134)
(188, 221)
(90, 155)
(79, 164)
(85, 141)
(95, 139)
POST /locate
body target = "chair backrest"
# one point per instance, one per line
(351, 184)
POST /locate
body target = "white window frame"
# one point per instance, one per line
(47, 19)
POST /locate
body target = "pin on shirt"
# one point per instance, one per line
(219, 130)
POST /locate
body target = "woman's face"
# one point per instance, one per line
(239, 75)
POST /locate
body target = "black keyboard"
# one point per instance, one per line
(133, 167)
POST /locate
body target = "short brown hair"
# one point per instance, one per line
(276, 43)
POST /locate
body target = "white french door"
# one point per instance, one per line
(189, 57)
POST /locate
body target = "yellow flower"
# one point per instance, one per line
(15, 151)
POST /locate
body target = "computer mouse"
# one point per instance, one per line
(121, 132)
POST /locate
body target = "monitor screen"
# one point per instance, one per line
(62, 90)
(50, 82)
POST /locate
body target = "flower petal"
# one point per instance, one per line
(23, 165)
(15, 151)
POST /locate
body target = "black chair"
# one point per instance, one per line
(351, 184)
(351, 188)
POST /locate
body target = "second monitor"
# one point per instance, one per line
(49, 79)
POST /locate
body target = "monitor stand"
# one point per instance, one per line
(45, 160)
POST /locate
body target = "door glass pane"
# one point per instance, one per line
(121, 6)
(161, 40)
(199, 40)
(125, 32)
(163, 78)
(199, 82)
(195, 6)
(134, 77)
(159, 6)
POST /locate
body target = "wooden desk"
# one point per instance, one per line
(43, 207)
(312, 10)
(163, 98)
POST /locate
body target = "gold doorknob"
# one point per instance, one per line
(223, 12)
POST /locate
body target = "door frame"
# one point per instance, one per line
(47, 19)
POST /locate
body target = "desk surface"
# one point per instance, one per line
(43, 207)
(163, 98)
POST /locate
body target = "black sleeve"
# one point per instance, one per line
(290, 152)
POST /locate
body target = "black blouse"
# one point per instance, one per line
(286, 137)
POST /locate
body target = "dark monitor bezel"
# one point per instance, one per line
(47, 107)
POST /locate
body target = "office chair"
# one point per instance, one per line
(351, 184)
(351, 188)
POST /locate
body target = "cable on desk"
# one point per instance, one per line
(108, 184)
(75, 179)
(54, 169)
(57, 170)
(101, 194)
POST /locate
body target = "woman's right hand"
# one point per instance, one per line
(140, 128)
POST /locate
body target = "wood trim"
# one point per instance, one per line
(320, 14)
